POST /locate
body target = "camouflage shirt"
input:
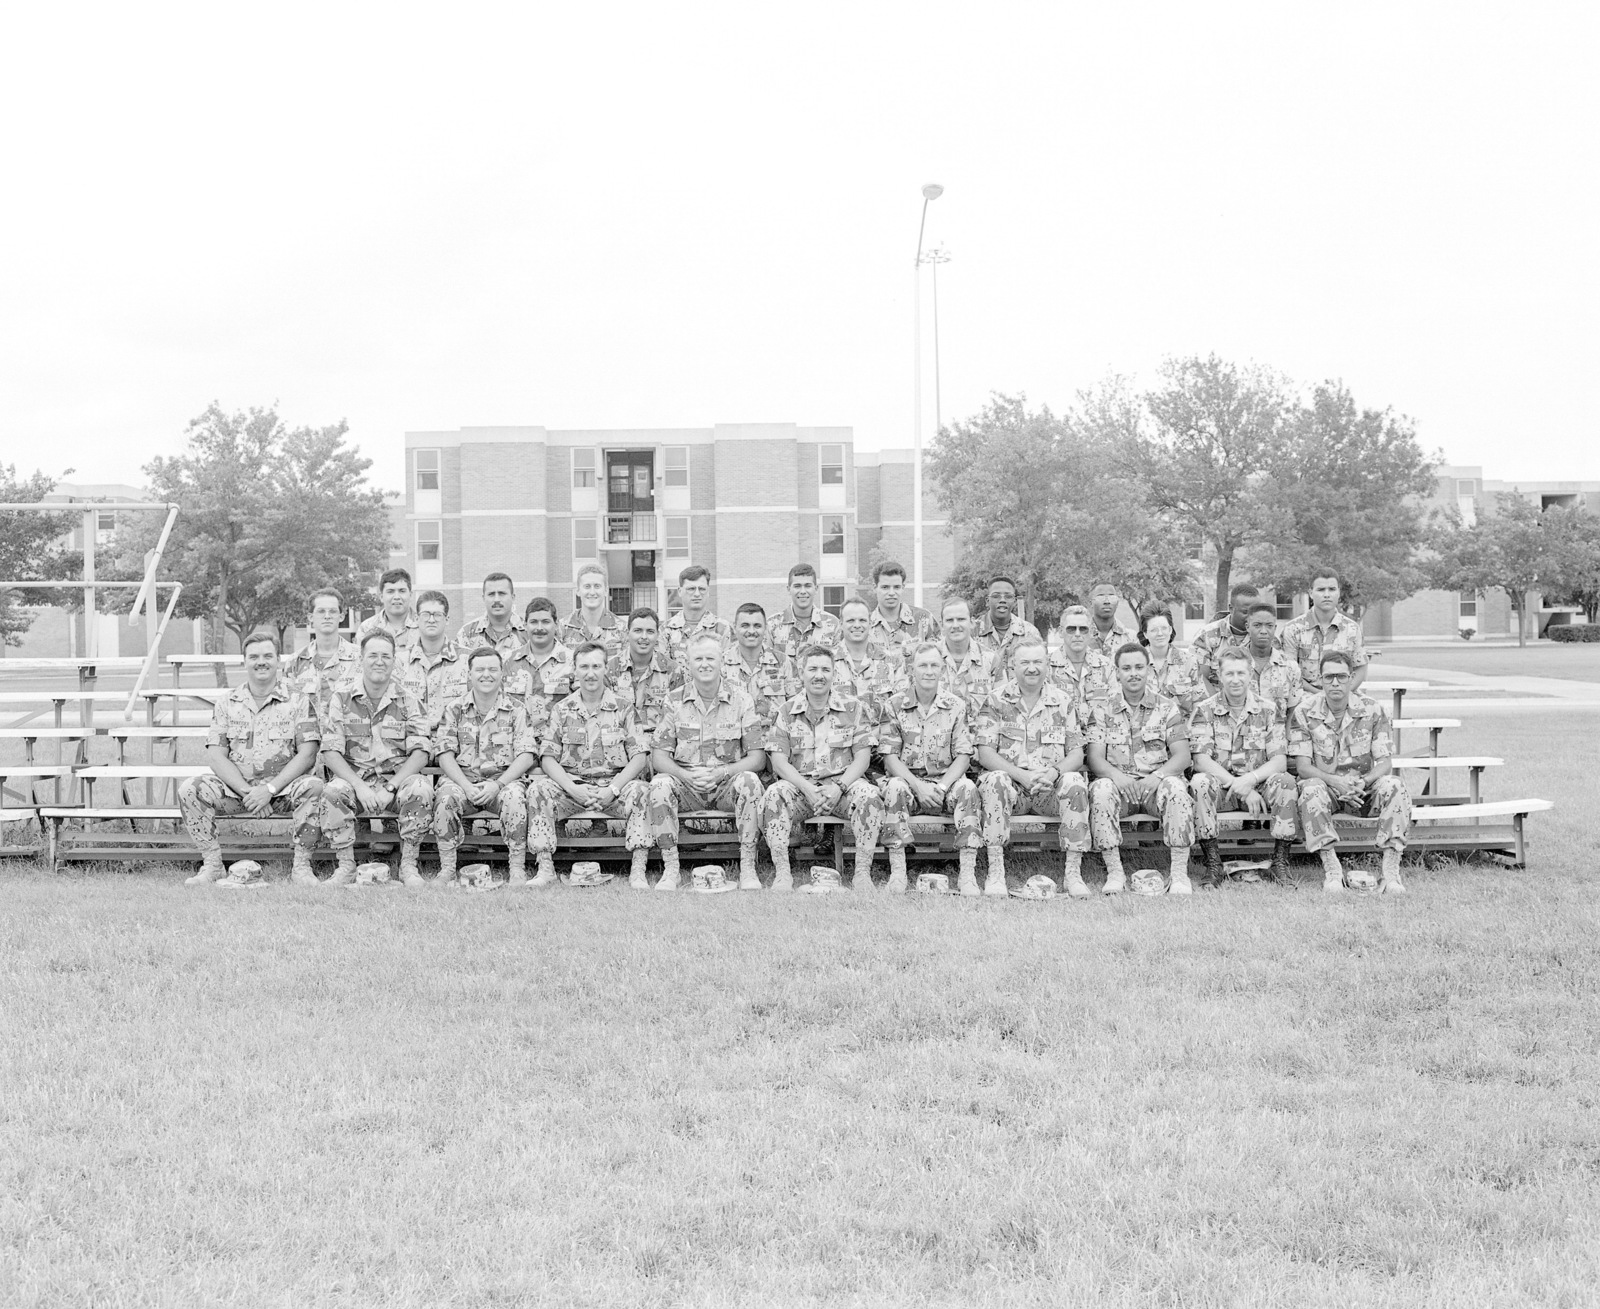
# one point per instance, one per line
(764, 682)
(593, 744)
(375, 738)
(823, 747)
(676, 635)
(1138, 738)
(786, 637)
(1215, 637)
(1002, 648)
(704, 736)
(485, 745)
(1305, 642)
(434, 679)
(1277, 680)
(404, 639)
(475, 633)
(262, 739)
(1086, 684)
(545, 678)
(971, 676)
(911, 625)
(1031, 739)
(302, 674)
(1352, 745)
(1179, 678)
(1108, 643)
(648, 693)
(927, 740)
(610, 634)
(871, 680)
(1242, 739)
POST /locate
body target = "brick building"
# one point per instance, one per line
(747, 500)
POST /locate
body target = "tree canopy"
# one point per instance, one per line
(1511, 546)
(30, 547)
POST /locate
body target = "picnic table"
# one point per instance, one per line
(1396, 689)
(218, 663)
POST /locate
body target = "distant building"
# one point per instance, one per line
(747, 500)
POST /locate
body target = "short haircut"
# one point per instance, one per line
(955, 600)
(311, 602)
(541, 604)
(888, 568)
(480, 651)
(1129, 647)
(1335, 657)
(1009, 581)
(749, 607)
(1031, 641)
(1232, 654)
(395, 575)
(1105, 586)
(259, 637)
(923, 647)
(693, 573)
(1244, 588)
(644, 611)
(1263, 607)
(802, 570)
(585, 648)
(591, 567)
(378, 634)
(500, 577)
(433, 597)
(854, 600)
(1320, 573)
(700, 638)
(1074, 611)
(811, 652)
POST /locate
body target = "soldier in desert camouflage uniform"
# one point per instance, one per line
(499, 626)
(1108, 635)
(1340, 747)
(694, 618)
(643, 675)
(593, 619)
(485, 750)
(804, 622)
(261, 746)
(1173, 670)
(863, 668)
(751, 664)
(433, 668)
(375, 743)
(1231, 630)
(594, 757)
(1030, 746)
(968, 669)
(1000, 631)
(326, 660)
(1324, 629)
(1273, 675)
(394, 614)
(1077, 667)
(1138, 753)
(539, 671)
(896, 624)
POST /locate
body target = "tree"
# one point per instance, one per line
(1354, 485)
(29, 548)
(1575, 541)
(266, 514)
(1041, 499)
(1209, 445)
(1510, 547)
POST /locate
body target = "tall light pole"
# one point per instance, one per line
(932, 191)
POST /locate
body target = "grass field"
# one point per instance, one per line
(317, 1097)
(1538, 659)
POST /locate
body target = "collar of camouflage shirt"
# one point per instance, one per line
(244, 695)
(1252, 705)
(608, 703)
(1316, 706)
(837, 702)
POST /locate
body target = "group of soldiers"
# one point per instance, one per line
(873, 716)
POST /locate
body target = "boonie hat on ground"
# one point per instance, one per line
(1246, 870)
(710, 879)
(475, 877)
(822, 881)
(1359, 879)
(587, 873)
(933, 883)
(372, 874)
(246, 872)
(1148, 881)
(1037, 887)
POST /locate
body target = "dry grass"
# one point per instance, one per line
(298, 1097)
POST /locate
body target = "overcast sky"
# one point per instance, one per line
(676, 215)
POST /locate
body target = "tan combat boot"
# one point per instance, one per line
(447, 865)
(1332, 870)
(995, 882)
(409, 873)
(670, 876)
(301, 872)
(1389, 882)
(1178, 859)
(344, 873)
(967, 880)
(897, 870)
(517, 855)
(211, 868)
(782, 878)
(546, 874)
(637, 877)
(1116, 879)
(1072, 876)
(967, 864)
(749, 877)
(862, 881)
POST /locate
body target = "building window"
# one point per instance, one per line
(1466, 486)
(832, 465)
(428, 543)
(582, 468)
(833, 534)
(1194, 609)
(677, 538)
(1469, 604)
(427, 470)
(583, 539)
(676, 463)
(105, 520)
(1283, 606)
(832, 600)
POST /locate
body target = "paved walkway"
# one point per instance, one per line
(1489, 693)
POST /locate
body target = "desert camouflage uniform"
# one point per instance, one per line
(927, 742)
(1179, 679)
(593, 745)
(1003, 647)
(261, 741)
(821, 752)
(648, 693)
(913, 625)
(1240, 740)
(475, 634)
(971, 676)
(871, 680)
(763, 683)
(485, 745)
(435, 680)
(1086, 684)
(612, 635)
(1108, 643)
(540, 683)
(677, 634)
(375, 740)
(1034, 740)
(1350, 748)
(1305, 643)
(1278, 680)
(786, 638)
(1215, 637)
(1139, 739)
(300, 672)
(697, 736)
(404, 639)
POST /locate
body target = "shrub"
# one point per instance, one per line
(1572, 634)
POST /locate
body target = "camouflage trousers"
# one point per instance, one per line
(1069, 802)
(783, 806)
(900, 802)
(203, 800)
(549, 805)
(1210, 797)
(739, 794)
(510, 805)
(1169, 802)
(1387, 800)
(413, 804)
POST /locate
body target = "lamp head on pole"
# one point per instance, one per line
(932, 191)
